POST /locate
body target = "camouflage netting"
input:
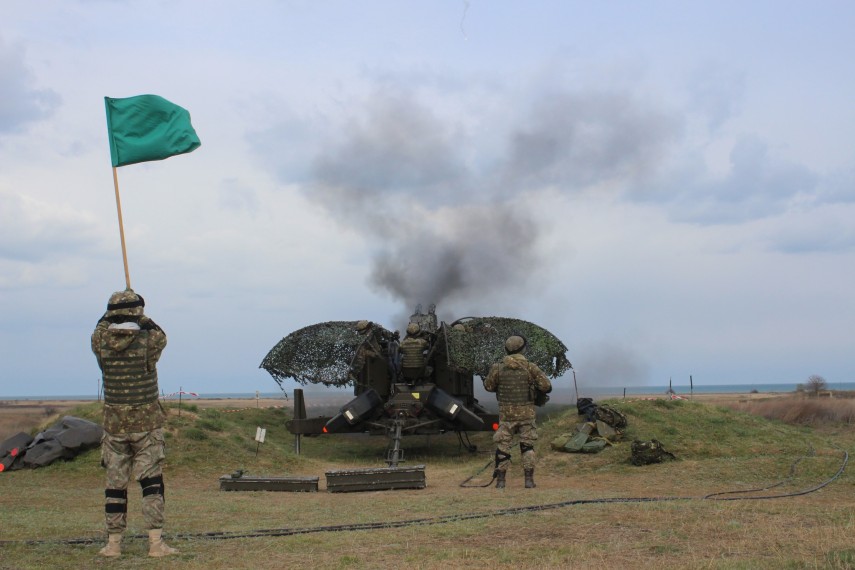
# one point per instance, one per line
(318, 354)
(482, 343)
(323, 353)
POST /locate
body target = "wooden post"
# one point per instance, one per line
(122, 232)
(575, 387)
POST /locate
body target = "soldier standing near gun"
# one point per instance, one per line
(127, 345)
(515, 381)
(367, 350)
(413, 350)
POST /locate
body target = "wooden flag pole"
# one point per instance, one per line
(122, 230)
(575, 387)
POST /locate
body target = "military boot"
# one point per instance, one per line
(114, 546)
(529, 479)
(156, 546)
(500, 479)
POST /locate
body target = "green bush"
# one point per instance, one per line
(194, 434)
(211, 424)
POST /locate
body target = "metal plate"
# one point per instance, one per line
(293, 484)
(376, 479)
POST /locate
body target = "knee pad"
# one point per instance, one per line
(524, 447)
(502, 456)
(152, 486)
(116, 507)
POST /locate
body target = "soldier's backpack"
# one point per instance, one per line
(586, 407)
(610, 416)
(647, 452)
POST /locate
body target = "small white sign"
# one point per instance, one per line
(259, 434)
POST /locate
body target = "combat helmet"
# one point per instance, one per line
(125, 303)
(362, 325)
(514, 344)
(413, 328)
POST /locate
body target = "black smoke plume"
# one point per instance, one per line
(445, 230)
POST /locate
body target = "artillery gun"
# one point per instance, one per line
(423, 384)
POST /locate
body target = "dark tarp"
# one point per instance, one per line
(18, 441)
(66, 439)
(13, 448)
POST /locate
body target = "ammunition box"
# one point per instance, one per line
(293, 484)
(378, 479)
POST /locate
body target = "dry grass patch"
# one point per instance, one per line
(28, 415)
(801, 410)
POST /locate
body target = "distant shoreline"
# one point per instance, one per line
(561, 391)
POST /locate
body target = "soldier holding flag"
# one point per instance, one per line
(128, 344)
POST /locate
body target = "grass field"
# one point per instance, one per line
(718, 449)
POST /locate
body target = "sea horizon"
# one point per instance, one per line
(598, 391)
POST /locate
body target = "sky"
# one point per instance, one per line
(668, 187)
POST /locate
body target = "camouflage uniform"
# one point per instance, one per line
(127, 345)
(367, 350)
(413, 349)
(514, 380)
(413, 357)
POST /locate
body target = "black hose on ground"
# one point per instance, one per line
(225, 535)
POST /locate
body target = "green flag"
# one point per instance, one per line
(147, 127)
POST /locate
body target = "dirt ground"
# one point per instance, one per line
(26, 415)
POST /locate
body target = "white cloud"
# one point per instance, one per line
(35, 230)
(21, 103)
(660, 197)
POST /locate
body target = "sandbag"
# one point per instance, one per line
(595, 445)
(575, 443)
(558, 443)
(606, 431)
